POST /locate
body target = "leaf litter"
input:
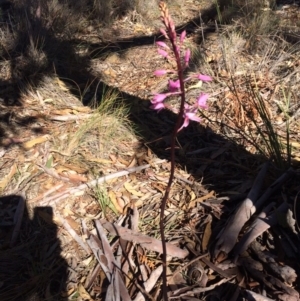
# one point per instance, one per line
(116, 256)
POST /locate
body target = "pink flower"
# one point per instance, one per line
(182, 36)
(157, 101)
(160, 72)
(159, 98)
(201, 100)
(164, 33)
(189, 114)
(174, 85)
(204, 78)
(158, 106)
(187, 57)
(162, 44)
(163, 53)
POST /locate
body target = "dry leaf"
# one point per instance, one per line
(206, 234)
(6, 179)
(75, 177)
(150, 283)
(83, 293)
(291, 221)
(113, 198)
(33, 142)
(201, 199)
(78, 169)
(103, 161)
(131, 190)
(145, 241)
(74, 225)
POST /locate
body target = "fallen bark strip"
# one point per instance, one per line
(198, 290)
(256, 297)
(145, 241)
(256, 269)
(73, 190)
(150, 283)
(116, 287)
(228, 237)
(259, 226)
(284, 272)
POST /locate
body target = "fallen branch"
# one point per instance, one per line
(73, 190)
(145, 241)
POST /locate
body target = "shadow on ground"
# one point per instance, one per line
(31, 267)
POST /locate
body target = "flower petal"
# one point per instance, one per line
(158, 106)
(186, 122)
(164, 33)
(160, 72)
(163, 53)
(201, 100)
(182, 36)
(174, 85)
(162, 44)
(187, 56)
(159, 98)
(193, 116)
(204, 78)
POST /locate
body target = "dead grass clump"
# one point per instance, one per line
(105, 131)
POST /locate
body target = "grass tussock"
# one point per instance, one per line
(106, 130)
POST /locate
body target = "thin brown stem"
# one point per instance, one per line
(172, 171)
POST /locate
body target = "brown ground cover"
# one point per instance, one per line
(85, 161)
